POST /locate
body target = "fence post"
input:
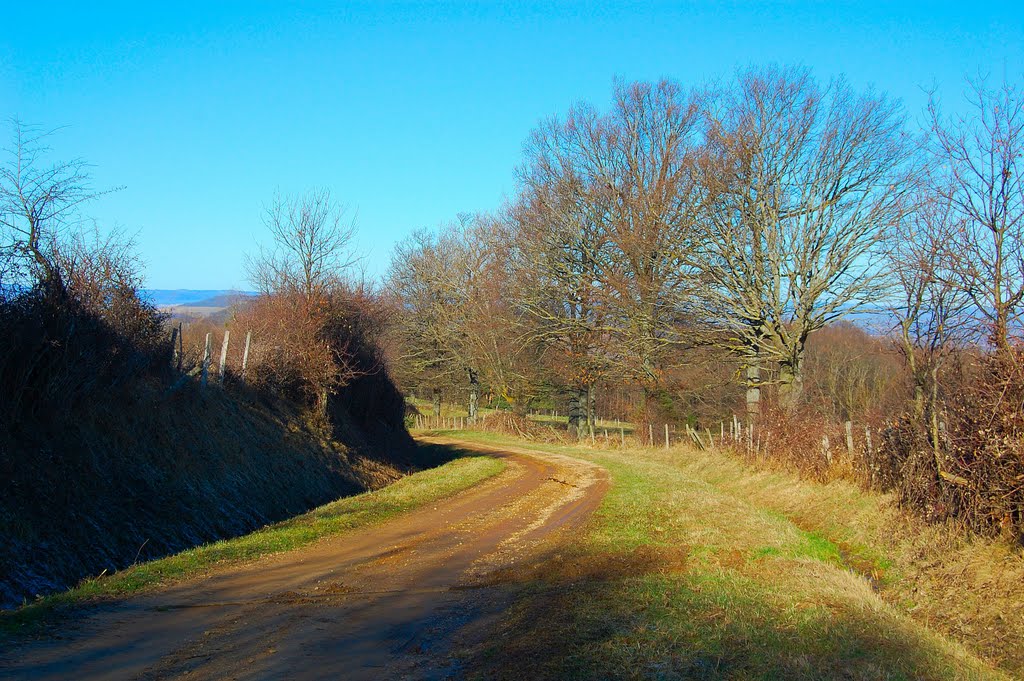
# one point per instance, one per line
(181, 346)
(849, 438)
(245, 355)
(867, 442)
(223, 357)
(175, 340)
(666, 436)
(826, 449)
(650, 432)
(622, 432)
(206, 362)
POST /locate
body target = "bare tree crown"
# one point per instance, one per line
(313, 245)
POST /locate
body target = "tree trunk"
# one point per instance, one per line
(933, 408)
(591, 407)
(578, 398)
(753, 382)
(437, 402)
(574, 411)
(474, 394)
(322, 399)
(791, 384)
(919, 398)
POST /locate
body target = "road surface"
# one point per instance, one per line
(382, 602)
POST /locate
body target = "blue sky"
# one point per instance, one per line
(409, 112)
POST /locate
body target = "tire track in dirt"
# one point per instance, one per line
(384, 601)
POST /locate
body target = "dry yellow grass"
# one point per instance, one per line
(762, 575)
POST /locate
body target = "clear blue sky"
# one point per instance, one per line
(409, 112)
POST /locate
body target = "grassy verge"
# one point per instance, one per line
(696, 566)
(337, 517)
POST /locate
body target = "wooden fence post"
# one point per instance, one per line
(206, 362)
(223, 357)
(650, 432)
(849, 438)
(175, 344)
(245, 355)
(666, 436)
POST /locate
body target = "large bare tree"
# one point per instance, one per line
(646, 160)
(562, 250)
(801, 184)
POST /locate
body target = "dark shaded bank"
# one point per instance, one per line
(149, 473)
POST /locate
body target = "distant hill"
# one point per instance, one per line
(193, 297)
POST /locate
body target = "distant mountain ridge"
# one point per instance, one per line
(185, 296)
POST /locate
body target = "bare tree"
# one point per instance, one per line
(38, 204)
(561, 251)
(498, 334)
(304, 312)
(647, 162)
(930, 311)
(312, 250)
(801, 184)
(456, 321)
(431, 317)
(979, 170)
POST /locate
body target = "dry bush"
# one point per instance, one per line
(976, 472)
(289, 357)
(308, 350)
(971, 472)
(807, 443)
(79, 335)
(509, 423)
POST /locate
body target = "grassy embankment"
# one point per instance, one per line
(698, 566)
(340, 516)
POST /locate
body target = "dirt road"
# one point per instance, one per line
(383, 602)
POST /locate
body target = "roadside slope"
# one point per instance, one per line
(117, 486)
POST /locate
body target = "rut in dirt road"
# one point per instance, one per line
(380, 602)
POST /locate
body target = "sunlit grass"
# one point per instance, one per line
(747, 588)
